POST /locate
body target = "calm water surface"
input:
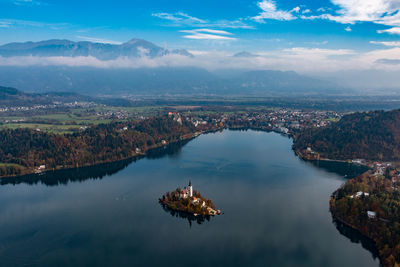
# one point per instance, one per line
(276, 211)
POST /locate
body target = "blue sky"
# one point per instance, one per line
(249, 25)
(260, 26)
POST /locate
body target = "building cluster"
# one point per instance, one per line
(285, 121)
(188, 193)
(360, 194)
(388, 170)
(379, 168)
(54, 105)
(113, 114)
(176, 116)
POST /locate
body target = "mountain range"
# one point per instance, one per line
(96, 81)
(133, 48)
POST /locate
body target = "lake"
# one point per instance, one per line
(276, 210)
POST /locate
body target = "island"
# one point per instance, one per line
(189, 201)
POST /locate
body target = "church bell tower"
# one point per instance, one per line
(190, 189)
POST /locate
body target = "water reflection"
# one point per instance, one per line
(199, 219)
(356, 237)
(63, 177)
(347, 170)
(276, 211)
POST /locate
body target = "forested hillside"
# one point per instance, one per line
(382, 199)
(371, 135)
(23, 150)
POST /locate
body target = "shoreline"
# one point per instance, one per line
(191, 136)
(332, 207)
(166, 204)
(139, 155)
(182, 138)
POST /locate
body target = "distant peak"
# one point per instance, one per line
(245, 54)
(135, 41)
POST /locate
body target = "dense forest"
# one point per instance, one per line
(371, 135)
(383, 199)
(25, 150)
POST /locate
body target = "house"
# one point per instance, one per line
(184, 193)
(195, 200)
(211, 211)
(371, 214)
(360, 193)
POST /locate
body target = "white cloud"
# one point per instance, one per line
(212, 31)
(231, 24)
(394, 30)
(24, 23)
(304, 51)
(4, 24)
(270, 11)
(348, 29)
(182, 19)
(98, 40)
(207, 34)
(390, 44)
(306, 11)
(296, 9)
(383, 12)
(178, 17)
(300, 59)
(27, 2)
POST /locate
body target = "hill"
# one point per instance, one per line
(23, 151)
(384, 200)
(11, 97)
(371, 135)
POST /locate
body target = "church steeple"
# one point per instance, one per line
(190, 189)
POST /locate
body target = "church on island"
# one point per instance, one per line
(190, 201)
(188, 193)
(185, 193)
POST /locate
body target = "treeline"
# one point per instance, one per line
(369, 135)
(10, 169)
(27, 149)
(382, 199)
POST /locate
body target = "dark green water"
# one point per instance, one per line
(276, 210)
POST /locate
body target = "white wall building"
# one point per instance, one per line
(190, 189)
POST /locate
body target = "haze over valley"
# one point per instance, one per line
(141, 67)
